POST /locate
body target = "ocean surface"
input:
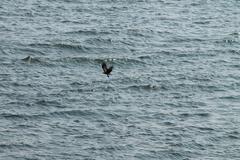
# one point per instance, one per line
(174, 93)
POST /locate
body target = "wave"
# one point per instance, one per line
(88, 32)
(54, 114)
(146, 87)
(232, 39)
(77, 47)
(99, 41)
(21, 116)
(77, 113)
(230, 97)
(49, 103)
(37, 60)
(15, 145)
(195, 114)
(85, 60)
(186, 39)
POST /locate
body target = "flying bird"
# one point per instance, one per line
(106, 70)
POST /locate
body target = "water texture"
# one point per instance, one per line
(174, 92)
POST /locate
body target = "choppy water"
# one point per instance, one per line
(174, 92)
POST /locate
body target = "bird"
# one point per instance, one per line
(106, 70)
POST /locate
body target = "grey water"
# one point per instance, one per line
(174, 92)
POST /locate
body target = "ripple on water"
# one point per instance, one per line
(173, 93)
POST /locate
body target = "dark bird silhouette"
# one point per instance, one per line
(106, 70)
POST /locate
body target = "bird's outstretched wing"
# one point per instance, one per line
(110, 69)
(104, 67)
